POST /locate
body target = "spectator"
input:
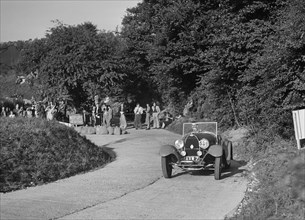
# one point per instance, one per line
(3, 112)
(50, 111)
(7, 111)
(85, 117)
(16, 110)
(155, 113)
(98, 115)
(167, 120)
(109, 116)
(21, 111)
(138, 111)
(11, 115)
(29, 112)
(39, 110)
(103, 108)
(147, 118)
(93, 117)
(123, 123)
(105, 114)
(62, 109)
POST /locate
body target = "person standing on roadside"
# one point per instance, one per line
(21, 111)
(3, 112)
(12, 115)
(16, 110)
(105, 115)
(50, 111)
(123, 123)
(109, 115)
(138, 111)
(93, 117)
(147, 118)
(155, 114)
(7, 110)
(98, 115)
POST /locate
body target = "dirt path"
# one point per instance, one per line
(132, 187)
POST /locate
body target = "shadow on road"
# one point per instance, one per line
(110, 152)
(114, 142)
(236, 168)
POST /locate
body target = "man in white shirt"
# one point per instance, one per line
(138, 111)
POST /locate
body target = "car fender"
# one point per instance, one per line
(169, 149)
(215, 150)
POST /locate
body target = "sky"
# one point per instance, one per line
(30, 19)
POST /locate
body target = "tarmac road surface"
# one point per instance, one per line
(131, 187)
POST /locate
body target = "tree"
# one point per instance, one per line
(275, 84)
(76, 60)
(157, 35)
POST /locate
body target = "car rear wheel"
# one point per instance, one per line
(166, 167)
(225, 162)
(217, 168)
(228, 154)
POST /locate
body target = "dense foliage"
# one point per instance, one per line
(78, 61)
(34, 151)
(277, 177)
(241, 62)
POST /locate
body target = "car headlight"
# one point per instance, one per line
(204, 143)
(179, 144)
(199, 153)
(183, 153)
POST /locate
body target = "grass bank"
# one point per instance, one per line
(276, 177)
(34, 151)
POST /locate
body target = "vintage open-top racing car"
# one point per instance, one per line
(200, 148)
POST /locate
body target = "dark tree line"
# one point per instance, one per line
(240, 62)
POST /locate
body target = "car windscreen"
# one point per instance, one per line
(199, 127)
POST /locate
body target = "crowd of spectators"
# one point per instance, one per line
(154, 117)
(105, 113)
(115, 114)
(46, 110)
(101, 114)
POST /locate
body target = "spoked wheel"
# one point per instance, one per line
(226, 163)
(166, 167)
(227, 154)
(230, 153)
(217, 167)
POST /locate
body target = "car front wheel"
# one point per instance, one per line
(217, 167)
(166, 167)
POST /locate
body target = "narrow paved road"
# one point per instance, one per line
(132, 187)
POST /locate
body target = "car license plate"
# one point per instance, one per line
(191, 158)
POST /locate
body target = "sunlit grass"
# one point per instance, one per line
(34, 151)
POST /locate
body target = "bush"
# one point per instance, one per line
(35, 151)
(278, 168)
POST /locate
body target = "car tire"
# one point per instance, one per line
(217, 168)
(166, 167)
(228, 154)
(226, 163)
